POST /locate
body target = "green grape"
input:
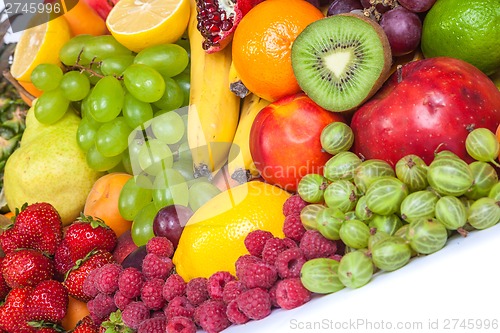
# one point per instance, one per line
(94, 75)
(418, 204)
(112, 137)
(391, 253)
(355, 269)
(368, 171)
(144, 83)
(127, 164)
(133, 198)
(184, 152)
(451, 212)
(341, 194)
(426, 235)
(184, 42)
(354, 234)
(116, 65)
(168, 127)
(200, 193)
(311, 187)
(193, 181)
(86, 134)
(485, 177)
(320, 275)
(71, 53)
(136, 112)
(482, 144)
(75, 85)
(412, 171)
(375, 237)
(98, 162)
(101, 47)
(450, 176)
(385, 194)
(329, 221)
(169, 188)
(51, 106)
(336, 137)
(46, 77)
(308, 215)
(363, 213)
(106, 99)
(484, 213)
(386, 223)
(184, 82)
(185, 167)
(495, 192)
(135, 143)
(172, 98)
(341, 166)
(154, 156)
(168, 59)
(142, 225)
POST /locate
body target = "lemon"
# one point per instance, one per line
(213, 238)
(137, 24)
(464, 29)
(39, 45)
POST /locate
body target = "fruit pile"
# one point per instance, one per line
(195, 164)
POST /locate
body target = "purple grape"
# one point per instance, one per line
(417, 6)
(403, 29)
(343, 6)
(325, 2)
(315, 3)
(134, 259)
(170, 221)
(379, 7)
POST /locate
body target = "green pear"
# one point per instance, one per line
(50, 167)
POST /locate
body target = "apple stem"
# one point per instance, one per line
(399, 72)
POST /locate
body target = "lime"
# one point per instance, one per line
(464, 29)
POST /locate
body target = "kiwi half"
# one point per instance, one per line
(342, 60)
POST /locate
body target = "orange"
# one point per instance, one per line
(31, 89)
(76, 311)
(82, 19)
(102, 201)
(262, 45)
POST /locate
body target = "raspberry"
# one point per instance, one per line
(130, 282)
(336, 256)
(153, 325)
(161, 246)
(154, 266)
(89, 286)
(151, 294)
(231, 290)
(315, 245)
(100, 307)
(293, 227)
(106, 279)
(234, 313)
(290, 293)
(211, 316)
(272, 294)
(255, 240)
(293, 205)
(257, 274)
(244, 259)
(289, 262)
(180, 325)
(174, 286)
(121, 301)
(255, 303)
(179, 306)
(135, 313)
(196, 291)
(216, 283)
(275, 246)
(158, 313)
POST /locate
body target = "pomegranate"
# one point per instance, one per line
(217, 20)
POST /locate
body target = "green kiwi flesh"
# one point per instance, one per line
(340, 61)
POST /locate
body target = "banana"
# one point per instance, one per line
(213, 109)
(235, 83)
(240, 165)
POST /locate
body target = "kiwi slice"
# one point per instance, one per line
(340, 61)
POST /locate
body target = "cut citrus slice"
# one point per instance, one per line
(37, 45)
(138, 24)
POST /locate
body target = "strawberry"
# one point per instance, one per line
(48, 302)
(86, 325)
(4, 288)
(87, 234)
(77, 274)
(12, 311)
(62, 258)
(26, 267)
(36, 226)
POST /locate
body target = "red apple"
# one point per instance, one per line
(285, 140)
(102, 7)
(428, 104)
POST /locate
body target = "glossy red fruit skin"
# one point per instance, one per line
(430, 104)
(284, 140)
(101, 7)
